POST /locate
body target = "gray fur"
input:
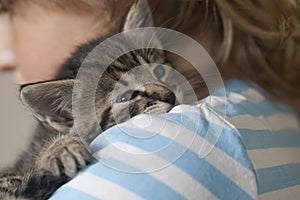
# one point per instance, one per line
(56, 153)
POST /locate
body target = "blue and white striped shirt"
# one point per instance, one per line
(195, 152)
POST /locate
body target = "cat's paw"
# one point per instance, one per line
(64, 156)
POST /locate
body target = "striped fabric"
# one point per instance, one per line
(195, 152)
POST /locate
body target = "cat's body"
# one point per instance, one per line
(56, 152)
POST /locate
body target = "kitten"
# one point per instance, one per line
(56, 152)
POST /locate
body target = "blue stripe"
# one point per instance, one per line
(199, 169)
(202, 171)
(279, 177)
(117, 134)
(143, 184)
(262, 108)
(70, 193)
(263, 139)
(210, 177)
(233, 85)
(228, 142)
(238, 86)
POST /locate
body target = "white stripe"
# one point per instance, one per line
(252, 95)
(168, 174)
(263, 158)
(204, 109)
(291, 193)
(100, 188)
(236, 172)
(236, 98)
(273, 123)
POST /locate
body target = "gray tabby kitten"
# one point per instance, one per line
(56, 152)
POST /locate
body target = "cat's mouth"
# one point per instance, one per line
(158, 108)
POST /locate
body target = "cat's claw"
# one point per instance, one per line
(64, 156)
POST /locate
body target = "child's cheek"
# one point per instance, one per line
(7, 60)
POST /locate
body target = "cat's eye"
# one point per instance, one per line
(159, 71)
(129, 95)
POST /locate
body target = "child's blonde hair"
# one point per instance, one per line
(253, 40)
(256, 40)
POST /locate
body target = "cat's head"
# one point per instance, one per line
(116, 100)
(123, 90)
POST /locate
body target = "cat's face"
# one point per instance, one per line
(137, 89)
(131, 85)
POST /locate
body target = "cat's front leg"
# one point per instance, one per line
(64, 156)
(58, 162)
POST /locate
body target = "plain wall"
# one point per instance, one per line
(17, 124)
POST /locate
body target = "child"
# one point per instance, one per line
(257, 42)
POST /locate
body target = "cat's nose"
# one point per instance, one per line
(169, 98)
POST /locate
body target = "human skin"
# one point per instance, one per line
(41, 39)
(7, 59)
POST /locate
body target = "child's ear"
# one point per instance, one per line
(51, 103)
(139, 16)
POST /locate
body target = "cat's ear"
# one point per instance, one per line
(51, 103)
(139, 16)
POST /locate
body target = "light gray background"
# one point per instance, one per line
(17, 124)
